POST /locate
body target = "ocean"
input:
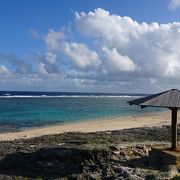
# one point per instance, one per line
(19, 110)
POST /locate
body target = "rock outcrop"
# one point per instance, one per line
(103, 155)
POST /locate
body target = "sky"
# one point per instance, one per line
(120, 46)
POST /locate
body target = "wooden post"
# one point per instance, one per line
(174, 128)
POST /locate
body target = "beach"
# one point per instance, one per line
(118, 154)
(116, 148)
(109, 124)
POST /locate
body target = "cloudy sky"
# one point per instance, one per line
(90, 46)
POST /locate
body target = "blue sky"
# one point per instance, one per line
(25, 26)
(18, 17)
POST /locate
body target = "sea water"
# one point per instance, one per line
(20, 110)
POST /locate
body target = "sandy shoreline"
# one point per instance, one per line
(154, 119)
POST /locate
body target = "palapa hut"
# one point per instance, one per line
(168, 99)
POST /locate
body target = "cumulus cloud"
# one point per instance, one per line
(51, 58)
(121, 50)
(81, 56)
(174, 4)
(42, 68)
(116, 62)
(3, 70)
(105, 52)
(78, 54)
(153, 48)
(54, 38)
(47, 63)
(17, 64)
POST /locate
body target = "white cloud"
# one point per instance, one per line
(107, 52)
(118, 63)
(42, 68)
(151, 47)
(4, 70)
(174, 4)
(122, 50)
(51, 58)
(81, 56)
(53, 39)
(78, 54)
(16, 64)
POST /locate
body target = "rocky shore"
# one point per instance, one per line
(122, 154)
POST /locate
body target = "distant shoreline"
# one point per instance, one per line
(104, 124)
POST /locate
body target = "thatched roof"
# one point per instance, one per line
(169, 99)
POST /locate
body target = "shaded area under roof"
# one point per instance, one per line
(169, 99)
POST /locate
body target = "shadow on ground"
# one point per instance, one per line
(75, 163)
(45, 163)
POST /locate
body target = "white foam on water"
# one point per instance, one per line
(68, 96)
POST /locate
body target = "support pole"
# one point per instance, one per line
(174, 128)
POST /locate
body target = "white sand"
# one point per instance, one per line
(155, 119)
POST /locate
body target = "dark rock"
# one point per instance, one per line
(113, 148)
(100, 155)
(150, 177)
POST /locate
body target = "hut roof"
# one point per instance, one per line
(169, 99)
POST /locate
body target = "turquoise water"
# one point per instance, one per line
(18, 113)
